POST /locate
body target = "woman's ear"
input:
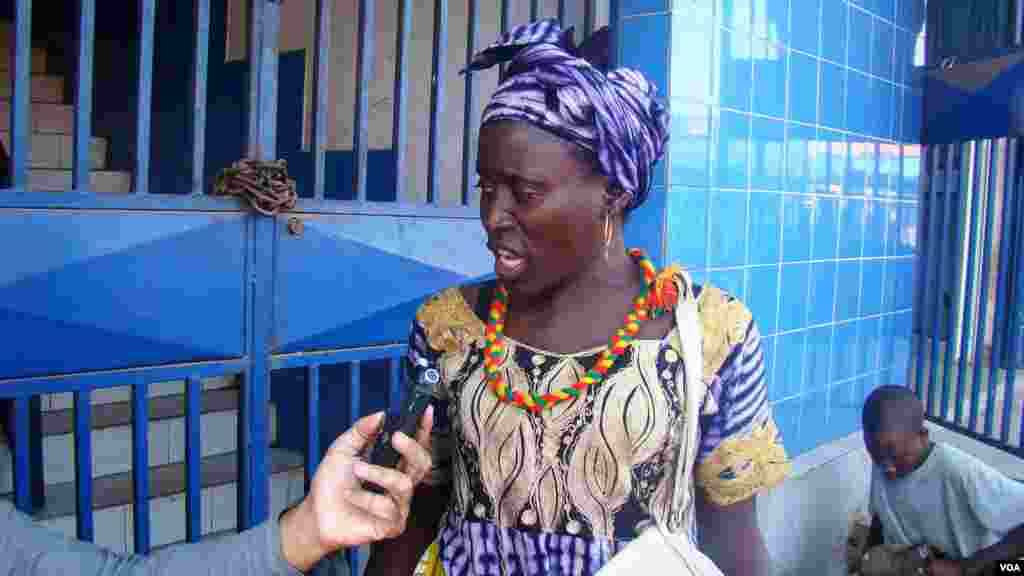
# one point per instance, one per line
(616, 200)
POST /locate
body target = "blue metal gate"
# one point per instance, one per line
(310, 308)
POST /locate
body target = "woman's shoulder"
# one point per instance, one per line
(725, 323)
(448, 317)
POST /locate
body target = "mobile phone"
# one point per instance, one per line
(382, 452)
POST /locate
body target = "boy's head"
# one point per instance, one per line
(894, 430)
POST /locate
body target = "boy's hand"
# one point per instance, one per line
(940, 567)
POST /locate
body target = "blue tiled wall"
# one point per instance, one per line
(791, 181)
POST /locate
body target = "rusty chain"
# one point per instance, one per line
(264, 184)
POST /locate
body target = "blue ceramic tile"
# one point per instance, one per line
(901, 348)
(874, 229)
(912, 103)
(689, 148)
(881, 52)
(826, 230)
(844, 351)
(769, 83)
(897, 112)
(903, 55)
(858, 98)
(907, 239)
(735, 13)
(838, 158)
(868, 332)
(793, 297)
(735, 70)
(844, 408)
(871, 287)
(733, 140)
(823, 284)
(648, 37)
(860, 175)
(892, 228)
(692, 42)
(899, 282)
(771, 20)
(805, 18)
(910, 171)
(851, 227)
(800, 146)
(789, 365)
(847, 290)
(887, 341)
(803, 88)
(766, 153)
(833, 37)
(763, 296)
(796, 228)
(882, 94)
(634, 7)
(814, 428)
(886, 9)
(645, 225)
(765, 226)
(818, 358)
(687, 234)
(833, 96)
(787, 415)
(731, 281)
(727, 220)
(860, 34)
(888, 170)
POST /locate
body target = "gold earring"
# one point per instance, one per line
(608, 232)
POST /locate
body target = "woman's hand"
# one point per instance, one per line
(338, 512)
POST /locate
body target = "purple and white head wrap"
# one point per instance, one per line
(550, 84)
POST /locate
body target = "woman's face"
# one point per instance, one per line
(543, 206)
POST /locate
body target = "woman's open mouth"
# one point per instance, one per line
(507, 264)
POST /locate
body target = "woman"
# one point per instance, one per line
(564, 431)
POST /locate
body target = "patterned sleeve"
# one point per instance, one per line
(422, 363)
(740, 453)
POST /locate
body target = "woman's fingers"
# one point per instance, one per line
(398, 485)
(416, 460)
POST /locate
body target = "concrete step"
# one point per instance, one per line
(113, 500)
(44, 88)
(112, 436)
(58, 118)
(64, 400)
(48, 180)
(7, 59)
(56, 151)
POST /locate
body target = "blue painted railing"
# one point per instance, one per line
(970, 274)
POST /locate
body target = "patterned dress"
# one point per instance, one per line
(562, 491)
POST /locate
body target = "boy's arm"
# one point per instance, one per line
(998, 502)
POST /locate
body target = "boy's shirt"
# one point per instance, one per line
(952, 501)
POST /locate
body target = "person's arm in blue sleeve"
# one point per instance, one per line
(337, 513)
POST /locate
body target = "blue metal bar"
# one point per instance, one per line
(562, 15)
(263, 61)
(354, 412)
(364, 72)
(932, 279)
(395, 384)
(968, 293)
(81, 164)
(999, 330)
(1012, 242)
(200, 69)
(534, 10)
(22, 469)
(505, 16)
(986, 251)
(923, 262)
(21, 113)
(144, 123)
(312, 422)
(193, 459)
(589, 17)
(398, 129)
(950, 277)
(469, 119)
(23, 387)
(140, 466)
(83, 466)
(1014, 450)
(365, 354)
(614, 18)
(437, 97)
(321, 84)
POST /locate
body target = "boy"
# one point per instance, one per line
(923, 492)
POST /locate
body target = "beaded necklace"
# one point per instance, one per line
(658, 295)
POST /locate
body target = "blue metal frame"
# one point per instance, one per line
(999, 341)
(979, 338)
(82, 162)
(969, 296)
(143, 129)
